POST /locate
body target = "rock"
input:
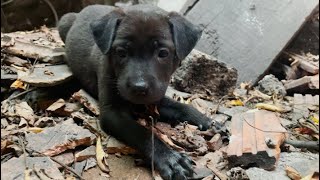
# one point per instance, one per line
(304, 163)
(201, 73)
(302, 104)
(237, 173)
(248, 146)
(270, 85)
(15, 168)
(47, 76)
(89, 102)
(57, 139)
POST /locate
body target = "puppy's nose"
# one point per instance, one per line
(140, 88)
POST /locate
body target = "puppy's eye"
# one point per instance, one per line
(121, 52)
(163, 53)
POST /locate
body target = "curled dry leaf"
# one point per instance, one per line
(35, 130)
(235, 103)
(56, 105)
(292, 173)
(270, 107)
(18, 85)
(101, 157)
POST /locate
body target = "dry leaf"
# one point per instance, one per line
(315, 119)
(167, 140)
(101, 157)
(236, 103)
(269, 107)
(292, 173)
(18, 85)
(56, 105)
(35, 130)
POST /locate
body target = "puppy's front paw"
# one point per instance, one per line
(173, 165)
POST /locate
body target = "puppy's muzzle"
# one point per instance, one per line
(139, 88)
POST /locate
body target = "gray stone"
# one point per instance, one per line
(270, 85)
(304, 163)
(201, 73)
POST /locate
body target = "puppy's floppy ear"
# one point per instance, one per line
(104, 29)
(185, 34)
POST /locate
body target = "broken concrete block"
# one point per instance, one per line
(86, 153)
(302, 104)
(89, 102)
(201, 73)
(15, 168)
(57, 139)
(47, 76)
(270, 85)
(302, 84)
(248, 145)
(244, 34)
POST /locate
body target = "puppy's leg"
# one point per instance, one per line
(65, 24)
(171, 110)
(118, 121)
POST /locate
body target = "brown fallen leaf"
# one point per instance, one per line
(101, 157)
(292, 173)
(18, 85)
(56, 105)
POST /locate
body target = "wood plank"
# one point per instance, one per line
(249, 35)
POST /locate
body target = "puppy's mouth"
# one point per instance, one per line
(141, 99)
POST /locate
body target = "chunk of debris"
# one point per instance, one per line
(249, 133)
(89, 102)
(13, 108)
(270, 85)
(172, 93)
(32, 45)
(302, 84)
(57, 139)
(9, 60)
(18, 172)
(215, 142)
(237, 173)
(85, 154)
(201, 73)
(302, 104)
(114, 146)
(47, 76)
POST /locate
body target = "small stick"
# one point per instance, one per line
(22, 93)
(311, 145)
(62, 164)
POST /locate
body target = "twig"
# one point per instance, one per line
(62, 164)
(311, 145)
(22, 93)
(219, 103)
(54, 12)
(152, 147)
(24, 156)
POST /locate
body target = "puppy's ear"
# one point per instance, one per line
(104, 29)
(185, 34)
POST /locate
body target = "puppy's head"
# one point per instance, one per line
(144, 47)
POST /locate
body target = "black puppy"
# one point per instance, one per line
(125, 58)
